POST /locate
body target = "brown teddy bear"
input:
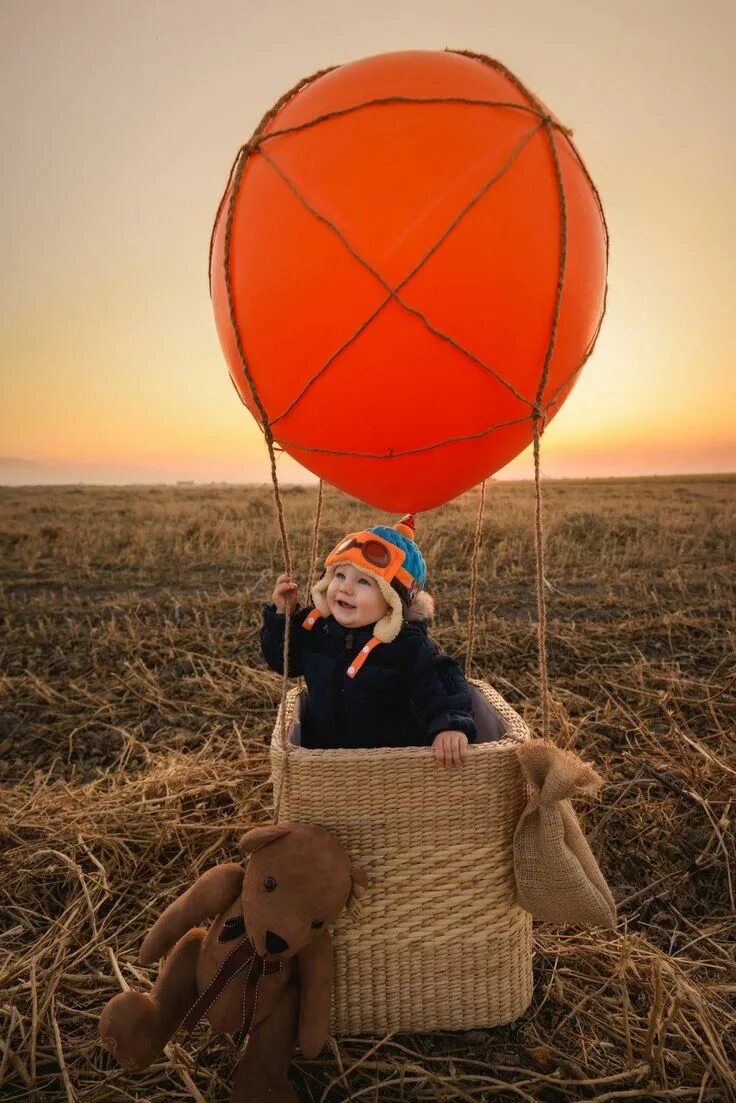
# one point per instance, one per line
(264, 967)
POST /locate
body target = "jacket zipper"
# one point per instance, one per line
(349, 641)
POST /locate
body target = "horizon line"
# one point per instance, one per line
(290, 485)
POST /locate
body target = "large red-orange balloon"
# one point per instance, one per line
(393, 274)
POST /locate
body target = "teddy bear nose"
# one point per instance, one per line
(275, 944)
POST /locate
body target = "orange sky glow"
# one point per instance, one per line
(120, 124)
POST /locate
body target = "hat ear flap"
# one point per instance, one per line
(389, 626)
(422, 608)
(319, 591)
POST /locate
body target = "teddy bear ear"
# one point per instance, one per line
(261, 836)
(360, 882)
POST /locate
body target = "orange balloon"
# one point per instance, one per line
(412, 241)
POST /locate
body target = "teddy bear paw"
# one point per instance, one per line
(130, 1028)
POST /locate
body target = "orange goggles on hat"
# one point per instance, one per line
(380, 557)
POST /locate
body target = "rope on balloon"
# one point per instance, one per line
(538, 410)
(393, 292)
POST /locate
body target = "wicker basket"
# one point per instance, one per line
(440, 943)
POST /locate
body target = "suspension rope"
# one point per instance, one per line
(538, 423)
(540, 580)
(315, 539)
(474, 580)
(310, 583)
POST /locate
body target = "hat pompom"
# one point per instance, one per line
(406, 526)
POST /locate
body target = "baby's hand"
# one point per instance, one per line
(450, 748)
(285, 593)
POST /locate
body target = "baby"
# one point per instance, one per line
(374, 677)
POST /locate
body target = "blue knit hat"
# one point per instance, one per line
(402, 535)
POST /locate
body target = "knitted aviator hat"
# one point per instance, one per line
(391, 557)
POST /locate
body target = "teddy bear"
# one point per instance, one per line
(263, 970)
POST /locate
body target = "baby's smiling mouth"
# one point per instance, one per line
(344, 604)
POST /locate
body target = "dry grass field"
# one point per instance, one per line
(134, 730)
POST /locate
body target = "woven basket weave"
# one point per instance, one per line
(439, 942)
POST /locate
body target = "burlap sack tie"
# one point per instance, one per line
(557, 877)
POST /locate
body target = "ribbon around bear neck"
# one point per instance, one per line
(243, 956)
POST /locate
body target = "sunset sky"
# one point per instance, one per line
(120, 119)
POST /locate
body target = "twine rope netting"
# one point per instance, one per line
(536, 407)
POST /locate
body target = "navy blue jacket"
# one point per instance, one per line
(404, 694)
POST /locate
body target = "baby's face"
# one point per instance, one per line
(354, 598)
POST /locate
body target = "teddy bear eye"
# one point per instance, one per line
(317, 923)
(269, 884)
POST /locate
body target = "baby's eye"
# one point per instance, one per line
(365, 581)
(339, 574)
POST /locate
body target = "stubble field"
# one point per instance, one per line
(134, 726)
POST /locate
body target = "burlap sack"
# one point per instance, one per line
(557, 877)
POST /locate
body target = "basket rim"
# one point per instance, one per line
(518, 733)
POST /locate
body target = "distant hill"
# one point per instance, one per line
(15, 471)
